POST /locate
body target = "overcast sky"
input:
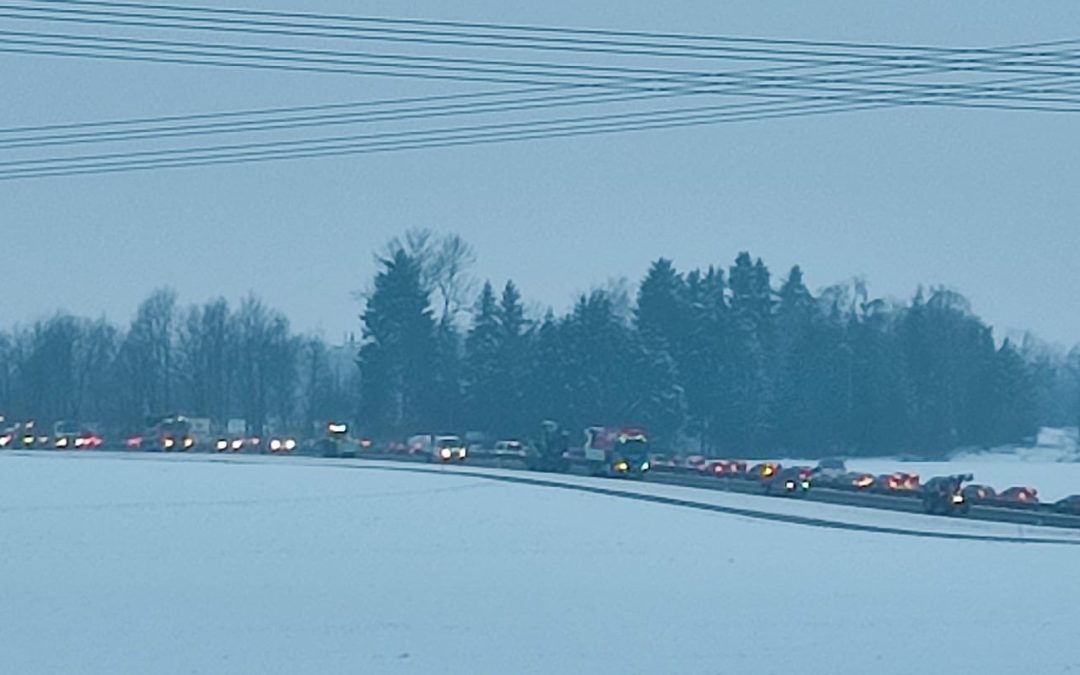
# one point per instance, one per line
(985, 202)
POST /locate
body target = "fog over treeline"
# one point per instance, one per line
(726, 360)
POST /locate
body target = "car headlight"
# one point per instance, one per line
(221, 445)
(275, 445)
(169, 442)
(189, 442)
(237, 444)
(290, 444)
(445, 453)
(645, 466)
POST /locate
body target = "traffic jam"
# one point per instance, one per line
(617, 452)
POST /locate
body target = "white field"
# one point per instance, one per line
(156, 564)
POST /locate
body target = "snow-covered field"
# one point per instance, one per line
(181, 565)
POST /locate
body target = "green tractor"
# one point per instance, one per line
(548, 452)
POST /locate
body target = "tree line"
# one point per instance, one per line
(209, 360)
(713, 360)
(722, 361)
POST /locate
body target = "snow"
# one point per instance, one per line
(149, 564)
(1051, 445)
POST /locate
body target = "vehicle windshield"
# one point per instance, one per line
(633, 448)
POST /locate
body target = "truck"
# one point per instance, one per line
(168, 433)
(944, 495)
(617, 451)
(548, 452)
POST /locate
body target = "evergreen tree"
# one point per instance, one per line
(705, 362)
(397, 356)
(481, 363)
(749, 413)
(512, 365)
(1015, 413)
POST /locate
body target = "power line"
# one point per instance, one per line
(1046, 86)
(377, 146)
(328, 115)
(494, 70)
(170, 52)
(384, 142)
(623, 35)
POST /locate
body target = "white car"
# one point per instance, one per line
(511, 448)
(448, 449)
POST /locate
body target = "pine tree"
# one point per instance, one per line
(397, 357)
(749, 414)
(481, 363)
(511, 357)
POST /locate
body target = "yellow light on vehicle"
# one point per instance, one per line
(621, 466)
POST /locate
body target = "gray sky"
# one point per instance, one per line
(985, 202)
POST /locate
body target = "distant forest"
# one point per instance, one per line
(722, 361)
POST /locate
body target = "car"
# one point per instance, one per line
(724, 468)
(694, 462)
(89, 441)
(763, 471)
(979, 494)
(794, 481)
(282, 445)
(665, 461)
(511, 448)
(229, 445)
(854, 481)
(897, 483)
(1018, 497)
(1069, 505)
(447, 449)
(829, 471)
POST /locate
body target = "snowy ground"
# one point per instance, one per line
(181, 565)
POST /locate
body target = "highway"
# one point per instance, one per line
(515, 471)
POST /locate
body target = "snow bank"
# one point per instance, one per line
(117, 566)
